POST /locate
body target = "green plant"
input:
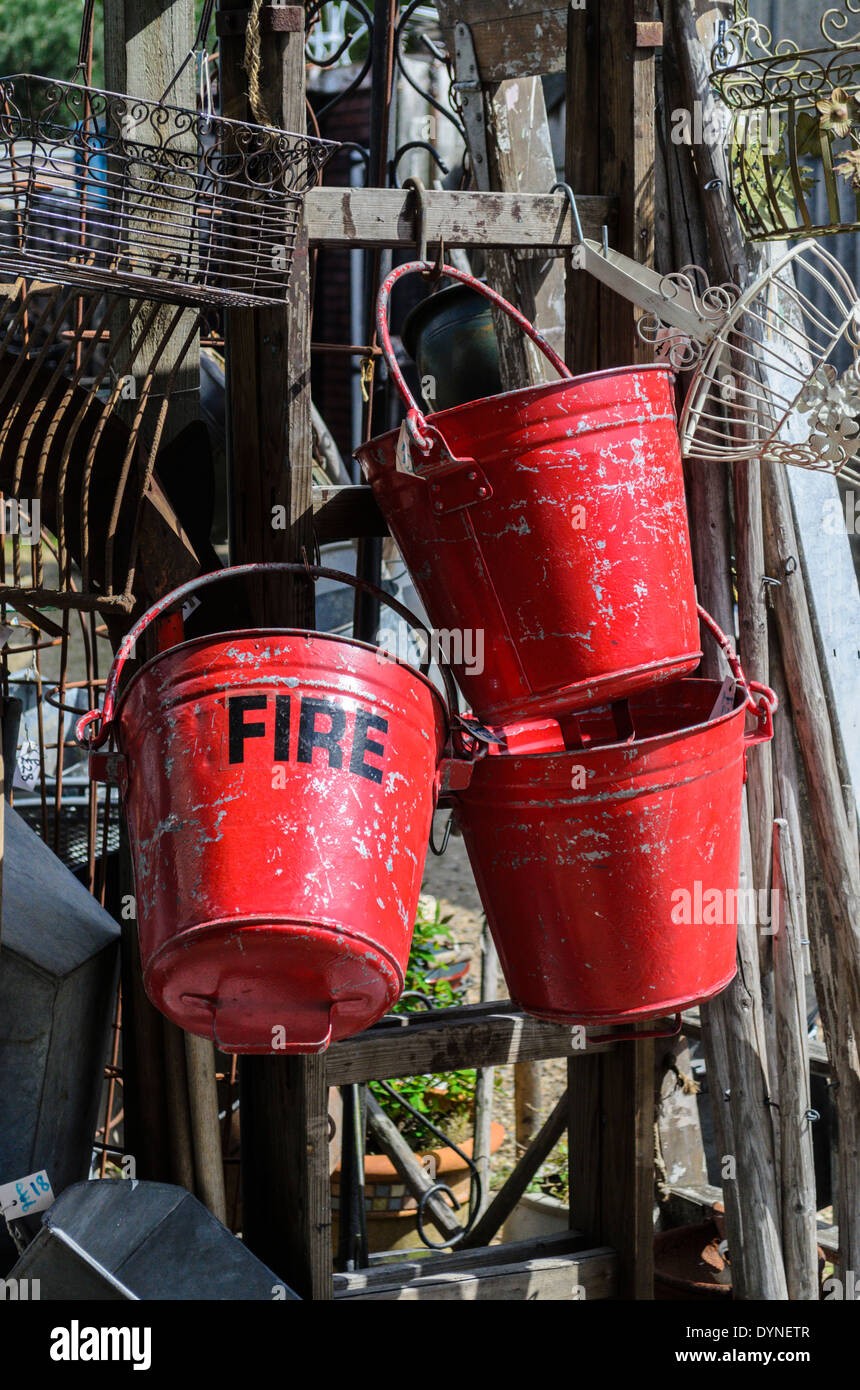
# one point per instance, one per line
(552, 1178)
(446, 1098)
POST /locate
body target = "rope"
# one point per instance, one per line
(253, 65)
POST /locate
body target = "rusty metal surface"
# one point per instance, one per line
(79, 436)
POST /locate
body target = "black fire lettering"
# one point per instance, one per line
(282, 728)
(310, 737)
(361, 744)
(237, 705)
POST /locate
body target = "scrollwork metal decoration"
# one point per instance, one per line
(795, 123)
(101, 190)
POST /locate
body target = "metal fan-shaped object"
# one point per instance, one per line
(776, 367)
(780, 379)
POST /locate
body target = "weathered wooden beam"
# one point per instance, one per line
(691, 1027)
(414, 1175)
(588, 1275)
(512, 38)
(610, 1153)
(490, 1223)
(472, 1035)
(385, 217)
(797, 1167)
(343, 513)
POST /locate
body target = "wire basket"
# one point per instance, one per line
(104, 191)
(780, 378)
(794, 135)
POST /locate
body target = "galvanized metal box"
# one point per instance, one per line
(121, 1239)
(58, 968)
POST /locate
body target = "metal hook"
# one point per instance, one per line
(445, 837)
(566, 189)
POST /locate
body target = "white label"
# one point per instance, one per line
(25, 1196)
(403, 451)
(189, 606)
(27, 768)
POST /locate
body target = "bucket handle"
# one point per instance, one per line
(90, 741)
(767, 703)
(421, 432)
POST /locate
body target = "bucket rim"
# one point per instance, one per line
(438, 417)
(448, 717)
(652, 741)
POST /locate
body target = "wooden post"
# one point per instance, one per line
(205, 1131)
(485, 1076)
(611, 1147)
(285, 1179)
(610, 145)
(145, 43)
(800, 1247)
(830, 985)
(286, 1198)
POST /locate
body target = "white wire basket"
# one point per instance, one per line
(779, 380)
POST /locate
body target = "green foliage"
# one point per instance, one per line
(551, 1179)
(749, 172)
(448, 1098)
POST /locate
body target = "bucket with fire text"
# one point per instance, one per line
(551, 520)
(279, 787)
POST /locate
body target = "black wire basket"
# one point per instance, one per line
(100, 190)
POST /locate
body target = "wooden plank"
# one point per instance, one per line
(343, 513)
(797, 1169)
(414, 1175)
(472, 1035)
(581, 170)
(417, 1266)
(385, 217)
(591, 1275)
(521, 160)
(286, 1209)
(512, 38)
(145, 42)
(611, 1121)
(691, 1027)
(491, 1222)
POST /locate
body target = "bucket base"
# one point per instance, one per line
(277, 986)
(599, 1019)
(585, 695)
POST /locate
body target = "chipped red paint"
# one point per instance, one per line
(552, 518)
(279, 790)
(578, 850)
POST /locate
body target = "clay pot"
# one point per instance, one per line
(688, 1264)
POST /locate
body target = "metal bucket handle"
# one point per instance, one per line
(767, 703)
(420, 431)
(91, 741)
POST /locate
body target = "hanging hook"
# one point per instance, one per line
(566, 189)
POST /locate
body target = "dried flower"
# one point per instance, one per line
(837, 112)
(850, 167)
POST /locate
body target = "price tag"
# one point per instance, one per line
(403, 451)
(26, 773)
(26, 1196)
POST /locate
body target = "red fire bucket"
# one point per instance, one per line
(549, 526)
(609, 870)
(279, 788)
